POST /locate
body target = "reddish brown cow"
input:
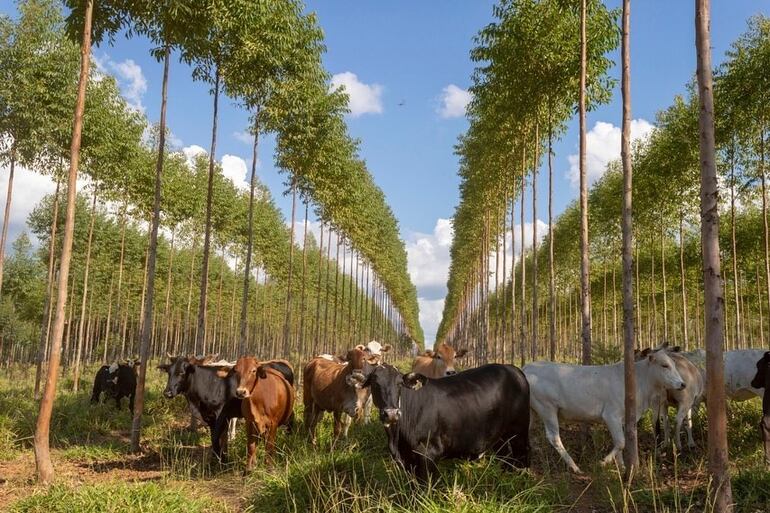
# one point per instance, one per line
(268, 403)
(439, 363)
(328, 386)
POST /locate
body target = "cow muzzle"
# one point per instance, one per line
(682, 385)
(168, 394)
(241, 393)
(391, 416)
(450, 372)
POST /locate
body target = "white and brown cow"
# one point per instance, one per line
(439, 363)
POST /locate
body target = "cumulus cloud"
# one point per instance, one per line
(130, 78)
(430, 317)
(454, 101)
(602, 147)
(234, 168)
(428, 259)
(191, 152)
(362, 98)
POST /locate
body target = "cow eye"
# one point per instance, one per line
(665, 366)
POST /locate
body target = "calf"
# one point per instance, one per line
(593, 393)
(328, 386)
(481, 410)
(439, 363)
(267, 403)
(762, 380)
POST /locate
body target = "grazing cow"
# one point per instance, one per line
(481, 410)
(762, 380)
(439, 363)
(684, 400)
(267, 403)
(102, 385)
(740, 366)
(594, 393)
(328, 386)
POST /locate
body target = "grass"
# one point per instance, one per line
(176, 472)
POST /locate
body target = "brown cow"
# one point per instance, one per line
(268, 403)
(439, 363)
(328, 386)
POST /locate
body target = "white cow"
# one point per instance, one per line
(594, 393)
(740, 367)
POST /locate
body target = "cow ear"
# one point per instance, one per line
(645, 352)
(414, 380)
(460, 352)
(189, 368)
(261, 372)
(676, 349)
(385, 348)
(360, 347)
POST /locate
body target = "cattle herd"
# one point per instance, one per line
(435, 412)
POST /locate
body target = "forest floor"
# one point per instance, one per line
(95, 471)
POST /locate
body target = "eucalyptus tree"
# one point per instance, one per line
(714, 299)
(45, 471)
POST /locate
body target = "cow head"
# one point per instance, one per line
(386, 384)
(376, 349)
(445, 356)
(247, 371)
(663, 370)
(360, 359)
(760, 379)
(179, 371)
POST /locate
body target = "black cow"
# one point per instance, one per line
(102, 385)
(762, 380)
(211, 391)
(124, 383)
(465, 415)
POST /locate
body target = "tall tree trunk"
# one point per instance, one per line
(685, 318)
(152, 253)
(287, 313)
(522, 261)
(631, 450)
(167, 318)
(7, 212)
(585, 279)
(513, 278)
(249, 244)
(535, 165)
(82, 321)
(317, 340)
(551, 277)
(504, 313)
(721, 490)
(46, 324)
(107, 322)
(302, 313)
(200, 336)
(765, 231)
(734, 251)
(45, 471)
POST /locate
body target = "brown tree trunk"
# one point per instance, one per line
(535, 164)
(585, 278)
(46, 325)
(82, 321)
(200, 337)
(685, 317)
(317, 340)
(302, 313)
(631, 450)
(45, 471)
(551, 277)
(734, 252)
(7, 212)
(249, 245)
(522, 261)
(287, 312)
(721, 490)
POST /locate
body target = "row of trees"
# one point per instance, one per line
(267, 57)
(525, 88)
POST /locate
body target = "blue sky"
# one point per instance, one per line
(399, 57)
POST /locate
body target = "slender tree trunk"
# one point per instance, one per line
(721, 490)
(200, 337)
(765, 231)
(504, 312)
(302, 313)
(45, 471)
(585, 278)
(522, 261)
(7, 212)
(152, 252)
(513, 279)
(166, 310)
(685, 317)
(317, 343)
(82, 321)
(249, 244)
(631, 450)
(287, 313)
(734, 251)
(551, 277)
(46, 325)
(107, 322)
(535, 165)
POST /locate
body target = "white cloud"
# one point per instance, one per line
(454, 101)
(430, 317)
(602, 147)
(244, 136)
(129, 75)
(362, 98)
(191, 152)
(428, 256)
(234, 168)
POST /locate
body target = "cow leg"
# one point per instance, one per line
(131, 402)
(270, 444)
(368, 409)
(618, 441)
(346, 421)
(337, 425)
(688, 428)
(551, 423)
(313, 414)
(232, 429)
(117, 401)
(681, 413)
(764, 428)
(666, 426)
(251, 443)
(290, 423)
